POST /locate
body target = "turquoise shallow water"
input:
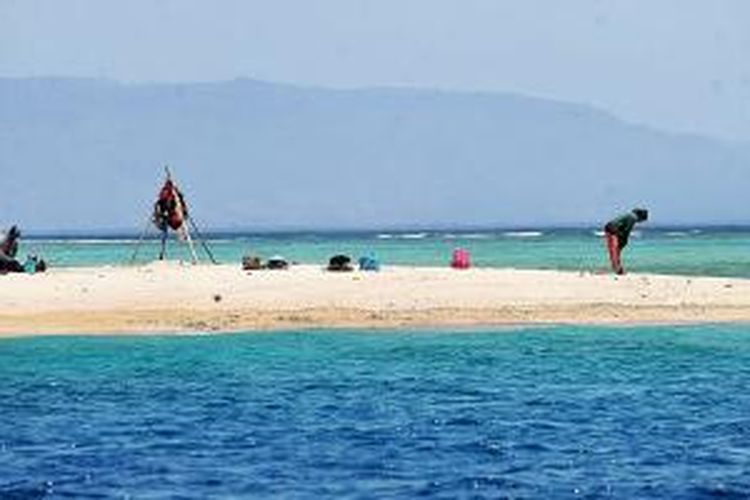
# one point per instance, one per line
(710, 251)
(563, 412)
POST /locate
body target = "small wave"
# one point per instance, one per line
(403, 236)
(225, 240)
(466, 236)
(684, 232)
(598, 233)
(523, 234)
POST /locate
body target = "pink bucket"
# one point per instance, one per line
(461, 259)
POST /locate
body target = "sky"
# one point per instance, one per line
(677, 65)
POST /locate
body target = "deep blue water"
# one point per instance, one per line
(559, 412)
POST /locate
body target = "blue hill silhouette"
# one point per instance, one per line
(80, 154)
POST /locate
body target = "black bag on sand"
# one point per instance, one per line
(340, 263)
(277, 262)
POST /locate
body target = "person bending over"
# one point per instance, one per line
(616, 234)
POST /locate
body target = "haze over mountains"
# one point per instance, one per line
(85, 154)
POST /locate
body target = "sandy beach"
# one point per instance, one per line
(170, 297)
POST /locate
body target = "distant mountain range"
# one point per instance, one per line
(78, 154)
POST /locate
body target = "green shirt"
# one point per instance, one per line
(622, 226)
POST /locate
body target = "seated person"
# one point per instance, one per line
(9, 244)
(8, 251)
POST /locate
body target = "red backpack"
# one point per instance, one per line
(461, 259)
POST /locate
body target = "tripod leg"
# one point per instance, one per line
(202, 241)
(140, 241)
(192, 247)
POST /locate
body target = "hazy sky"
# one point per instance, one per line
(675, 64)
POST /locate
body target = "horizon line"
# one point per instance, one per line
(384, 229)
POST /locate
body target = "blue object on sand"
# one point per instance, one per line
(29, 266)
(369, 263)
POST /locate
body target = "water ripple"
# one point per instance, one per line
(553, 412)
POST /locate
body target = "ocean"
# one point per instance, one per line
(554, 412)
(714, 251)
(535, 412)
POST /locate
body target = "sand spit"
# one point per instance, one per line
(170, 297)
